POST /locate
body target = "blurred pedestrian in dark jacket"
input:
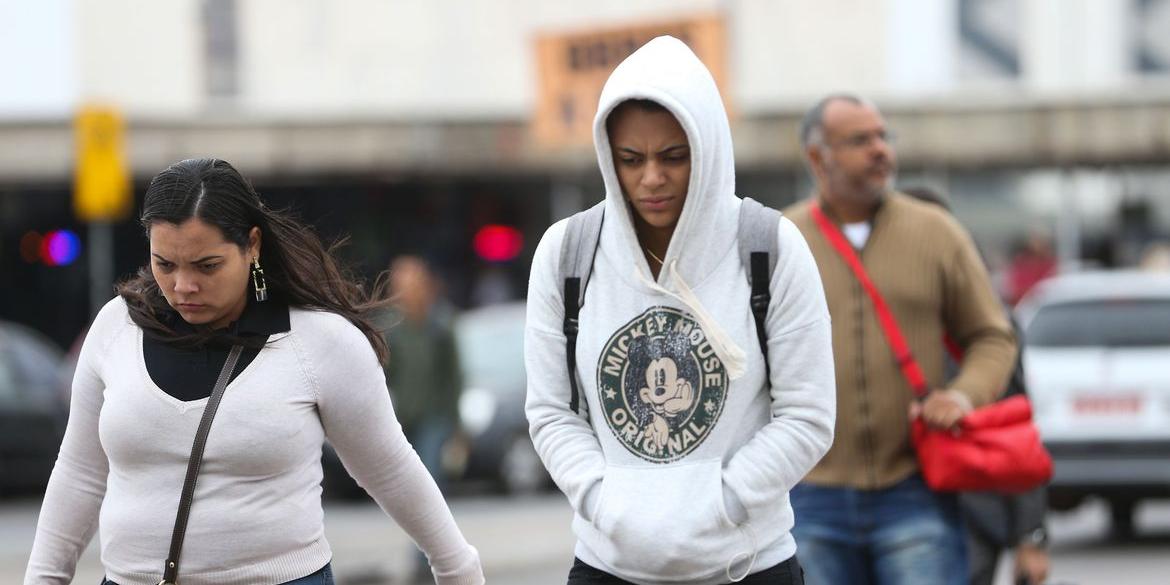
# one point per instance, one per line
(424, 375)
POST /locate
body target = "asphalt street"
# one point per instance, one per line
(526, 541)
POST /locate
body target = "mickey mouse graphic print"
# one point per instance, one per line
(661, 385)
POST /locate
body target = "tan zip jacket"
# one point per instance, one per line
(927, 268)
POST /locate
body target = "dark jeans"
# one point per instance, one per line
(786, 573)
(324, 576)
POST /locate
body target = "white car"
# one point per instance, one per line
(490, 341)
(1097, 365)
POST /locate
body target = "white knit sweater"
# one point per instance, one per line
(257, 515)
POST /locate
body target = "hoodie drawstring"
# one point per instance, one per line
(732, 356)
(752, 556)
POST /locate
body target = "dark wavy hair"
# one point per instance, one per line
(298, 267)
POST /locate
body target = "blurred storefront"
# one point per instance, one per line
(412, 126)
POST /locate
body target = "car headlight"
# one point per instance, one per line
(477, 408)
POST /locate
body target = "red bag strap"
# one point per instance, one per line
(902, 353)
(953, 348)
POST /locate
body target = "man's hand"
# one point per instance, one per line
(1031, 562)
(942, 409)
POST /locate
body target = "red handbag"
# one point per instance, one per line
(995, 447)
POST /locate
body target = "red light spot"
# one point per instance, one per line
(47, 249)
(30, 247)
(498, 243)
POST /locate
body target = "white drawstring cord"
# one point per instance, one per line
(755, 553)
(732, 356)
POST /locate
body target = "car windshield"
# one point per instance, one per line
(1109, 323)
(492, 353)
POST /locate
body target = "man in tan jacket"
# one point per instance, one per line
(863, 514)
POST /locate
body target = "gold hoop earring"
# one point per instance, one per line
(259, 285)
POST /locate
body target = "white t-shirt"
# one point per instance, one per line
(858, 233)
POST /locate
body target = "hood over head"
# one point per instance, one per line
(666, 71)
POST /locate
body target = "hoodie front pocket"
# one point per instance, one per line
(666, 522)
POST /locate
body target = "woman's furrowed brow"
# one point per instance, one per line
(196, 261)
(673, 147)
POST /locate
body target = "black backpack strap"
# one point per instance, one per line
(760, 299)
(582, 235)
(758, 250)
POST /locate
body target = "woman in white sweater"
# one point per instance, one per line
(679, 460)
(224, 271)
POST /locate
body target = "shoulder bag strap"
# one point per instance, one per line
(902, 353)
(171, 569)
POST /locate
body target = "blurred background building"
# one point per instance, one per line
(452, 129)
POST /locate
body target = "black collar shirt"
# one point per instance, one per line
(190, 373)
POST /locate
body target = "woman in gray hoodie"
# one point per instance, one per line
(687, 439)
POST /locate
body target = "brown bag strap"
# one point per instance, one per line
(171, 568)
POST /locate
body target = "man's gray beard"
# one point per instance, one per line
(884, 189)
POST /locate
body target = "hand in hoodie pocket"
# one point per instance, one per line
(667, 521)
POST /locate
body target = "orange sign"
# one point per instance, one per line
(572, 68)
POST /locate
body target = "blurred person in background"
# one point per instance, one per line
(424, 376)
(997, 522)
(864, 514)
(225, 271)
(1032, 262)
(678, 458)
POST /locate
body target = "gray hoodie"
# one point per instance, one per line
(690, 484)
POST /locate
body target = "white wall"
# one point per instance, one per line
(37, 59)
(922, 47)
(143, 56)
(1072, 46)
(787, 52)
(473, 59)
(449, 58)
